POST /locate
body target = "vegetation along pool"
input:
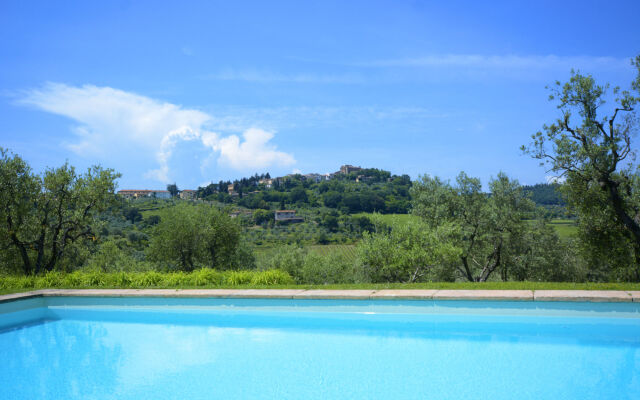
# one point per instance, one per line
(187, 348)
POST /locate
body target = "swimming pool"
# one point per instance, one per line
(206, 348)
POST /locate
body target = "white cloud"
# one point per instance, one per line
(254, 152)
(112, 123)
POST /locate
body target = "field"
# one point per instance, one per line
(565, 228)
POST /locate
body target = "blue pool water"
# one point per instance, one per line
(154, 348)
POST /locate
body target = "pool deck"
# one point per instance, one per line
(385, 294)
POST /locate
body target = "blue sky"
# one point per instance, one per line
(193, 92)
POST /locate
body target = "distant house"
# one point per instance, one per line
(268, 183)
(287, 216)
(230, 189)
(136, 194)
(317, 178)
(188, 194)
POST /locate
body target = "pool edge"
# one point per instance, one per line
(610, 296)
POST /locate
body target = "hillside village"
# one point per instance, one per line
(266, 181)
(239, 188)
(325, 198)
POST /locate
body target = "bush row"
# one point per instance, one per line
(201, 277)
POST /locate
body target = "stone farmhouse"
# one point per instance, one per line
(188, 194)
(287, 216)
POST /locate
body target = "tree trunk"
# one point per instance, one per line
(467, 270)
(618, 207)
(23, 254)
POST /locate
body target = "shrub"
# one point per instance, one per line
(239, 277)
(206, 276)
(148, 279)
(323, 270)
(74, 279)
(51, 279)
(271, 277)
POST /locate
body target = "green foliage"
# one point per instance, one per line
(271, 277)
(173, 189)
(405, 252)
(488, 225)
(239, 278)
(110, 257)
(204, 277)
(43, 216)
(593, 151)
(191, 235)
(324, 270)
(263, 217)
(289, 259)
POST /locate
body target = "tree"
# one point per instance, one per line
(221, 237)
(405, 252)
(190, 235)
(298, 195)
(486, 223)
(178, 238)
(173, 189)
(331, 223)
(41, 216)
(263, 217)
(590, 146)
(132, 214)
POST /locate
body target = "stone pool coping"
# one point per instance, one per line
(383, 294)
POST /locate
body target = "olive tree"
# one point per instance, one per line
(404, 252)
(487, 223)
(43, 215)
(196, 235)
(589, 145)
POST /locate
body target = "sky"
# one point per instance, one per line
(193, 92)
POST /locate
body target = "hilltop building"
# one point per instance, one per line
(347, 169)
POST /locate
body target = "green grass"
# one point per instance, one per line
(565, 228)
